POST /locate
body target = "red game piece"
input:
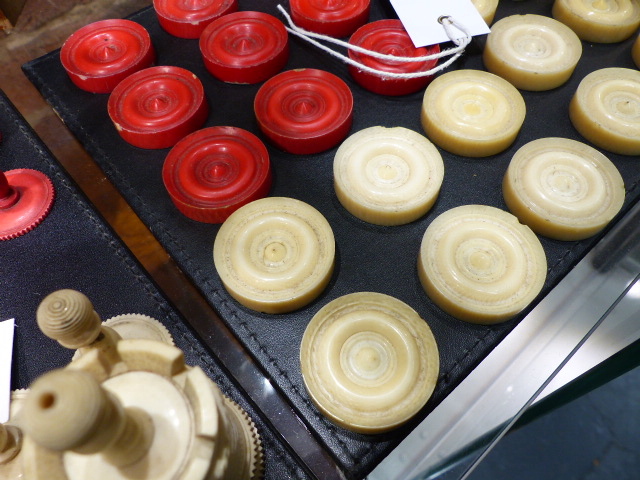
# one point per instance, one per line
(157, 106)
(390, 38)
(100, 55)
(211, 173)
(189, 18)
(335, 18)
(245, 47)
(26, 198)
(304, 111)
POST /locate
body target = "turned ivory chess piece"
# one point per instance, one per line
(128, 408)
(10, 445)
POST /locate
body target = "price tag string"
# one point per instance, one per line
(448, 23)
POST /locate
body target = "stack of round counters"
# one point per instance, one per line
(479, 264)
(245, 47)
(605, 109)
(100, 55)
(275, 255)
(188, 18)
(157, 106)
(212, 172)
(304, 111)
(532, 52)
(600, 21)
(486, 8)
(390, 38)
(335, 18)
(369, 362)
(472, 113)
(387, 176)
(562, 188)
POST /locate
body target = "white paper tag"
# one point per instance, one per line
(6, 354)
(420, 19)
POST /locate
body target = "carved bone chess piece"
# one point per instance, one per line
(129, 408)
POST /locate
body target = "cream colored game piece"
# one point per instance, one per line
(369, 362)
(275, 255)
(599, 21)
(562, 188)
(67, 409)
(134, 325)
(11, 438)
(479, 264)
(68, 317)
(129, 408)
(486, 8)
(472, 113)
(10, 443)
(56, 324)
(605, 109)
(532, 52)
(387, 176)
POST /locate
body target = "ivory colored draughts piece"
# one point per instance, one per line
(472, 113)
(479, 264)
(387, 176)
(599, 21)
(129, 408)
(275, 255)
(486, 8)
(532, 52)
(562, 188)
(369, 362)
(605, 109)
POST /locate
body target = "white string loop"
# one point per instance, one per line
(448, 23)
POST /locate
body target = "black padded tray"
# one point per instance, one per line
(74, 248)
(370, 258)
